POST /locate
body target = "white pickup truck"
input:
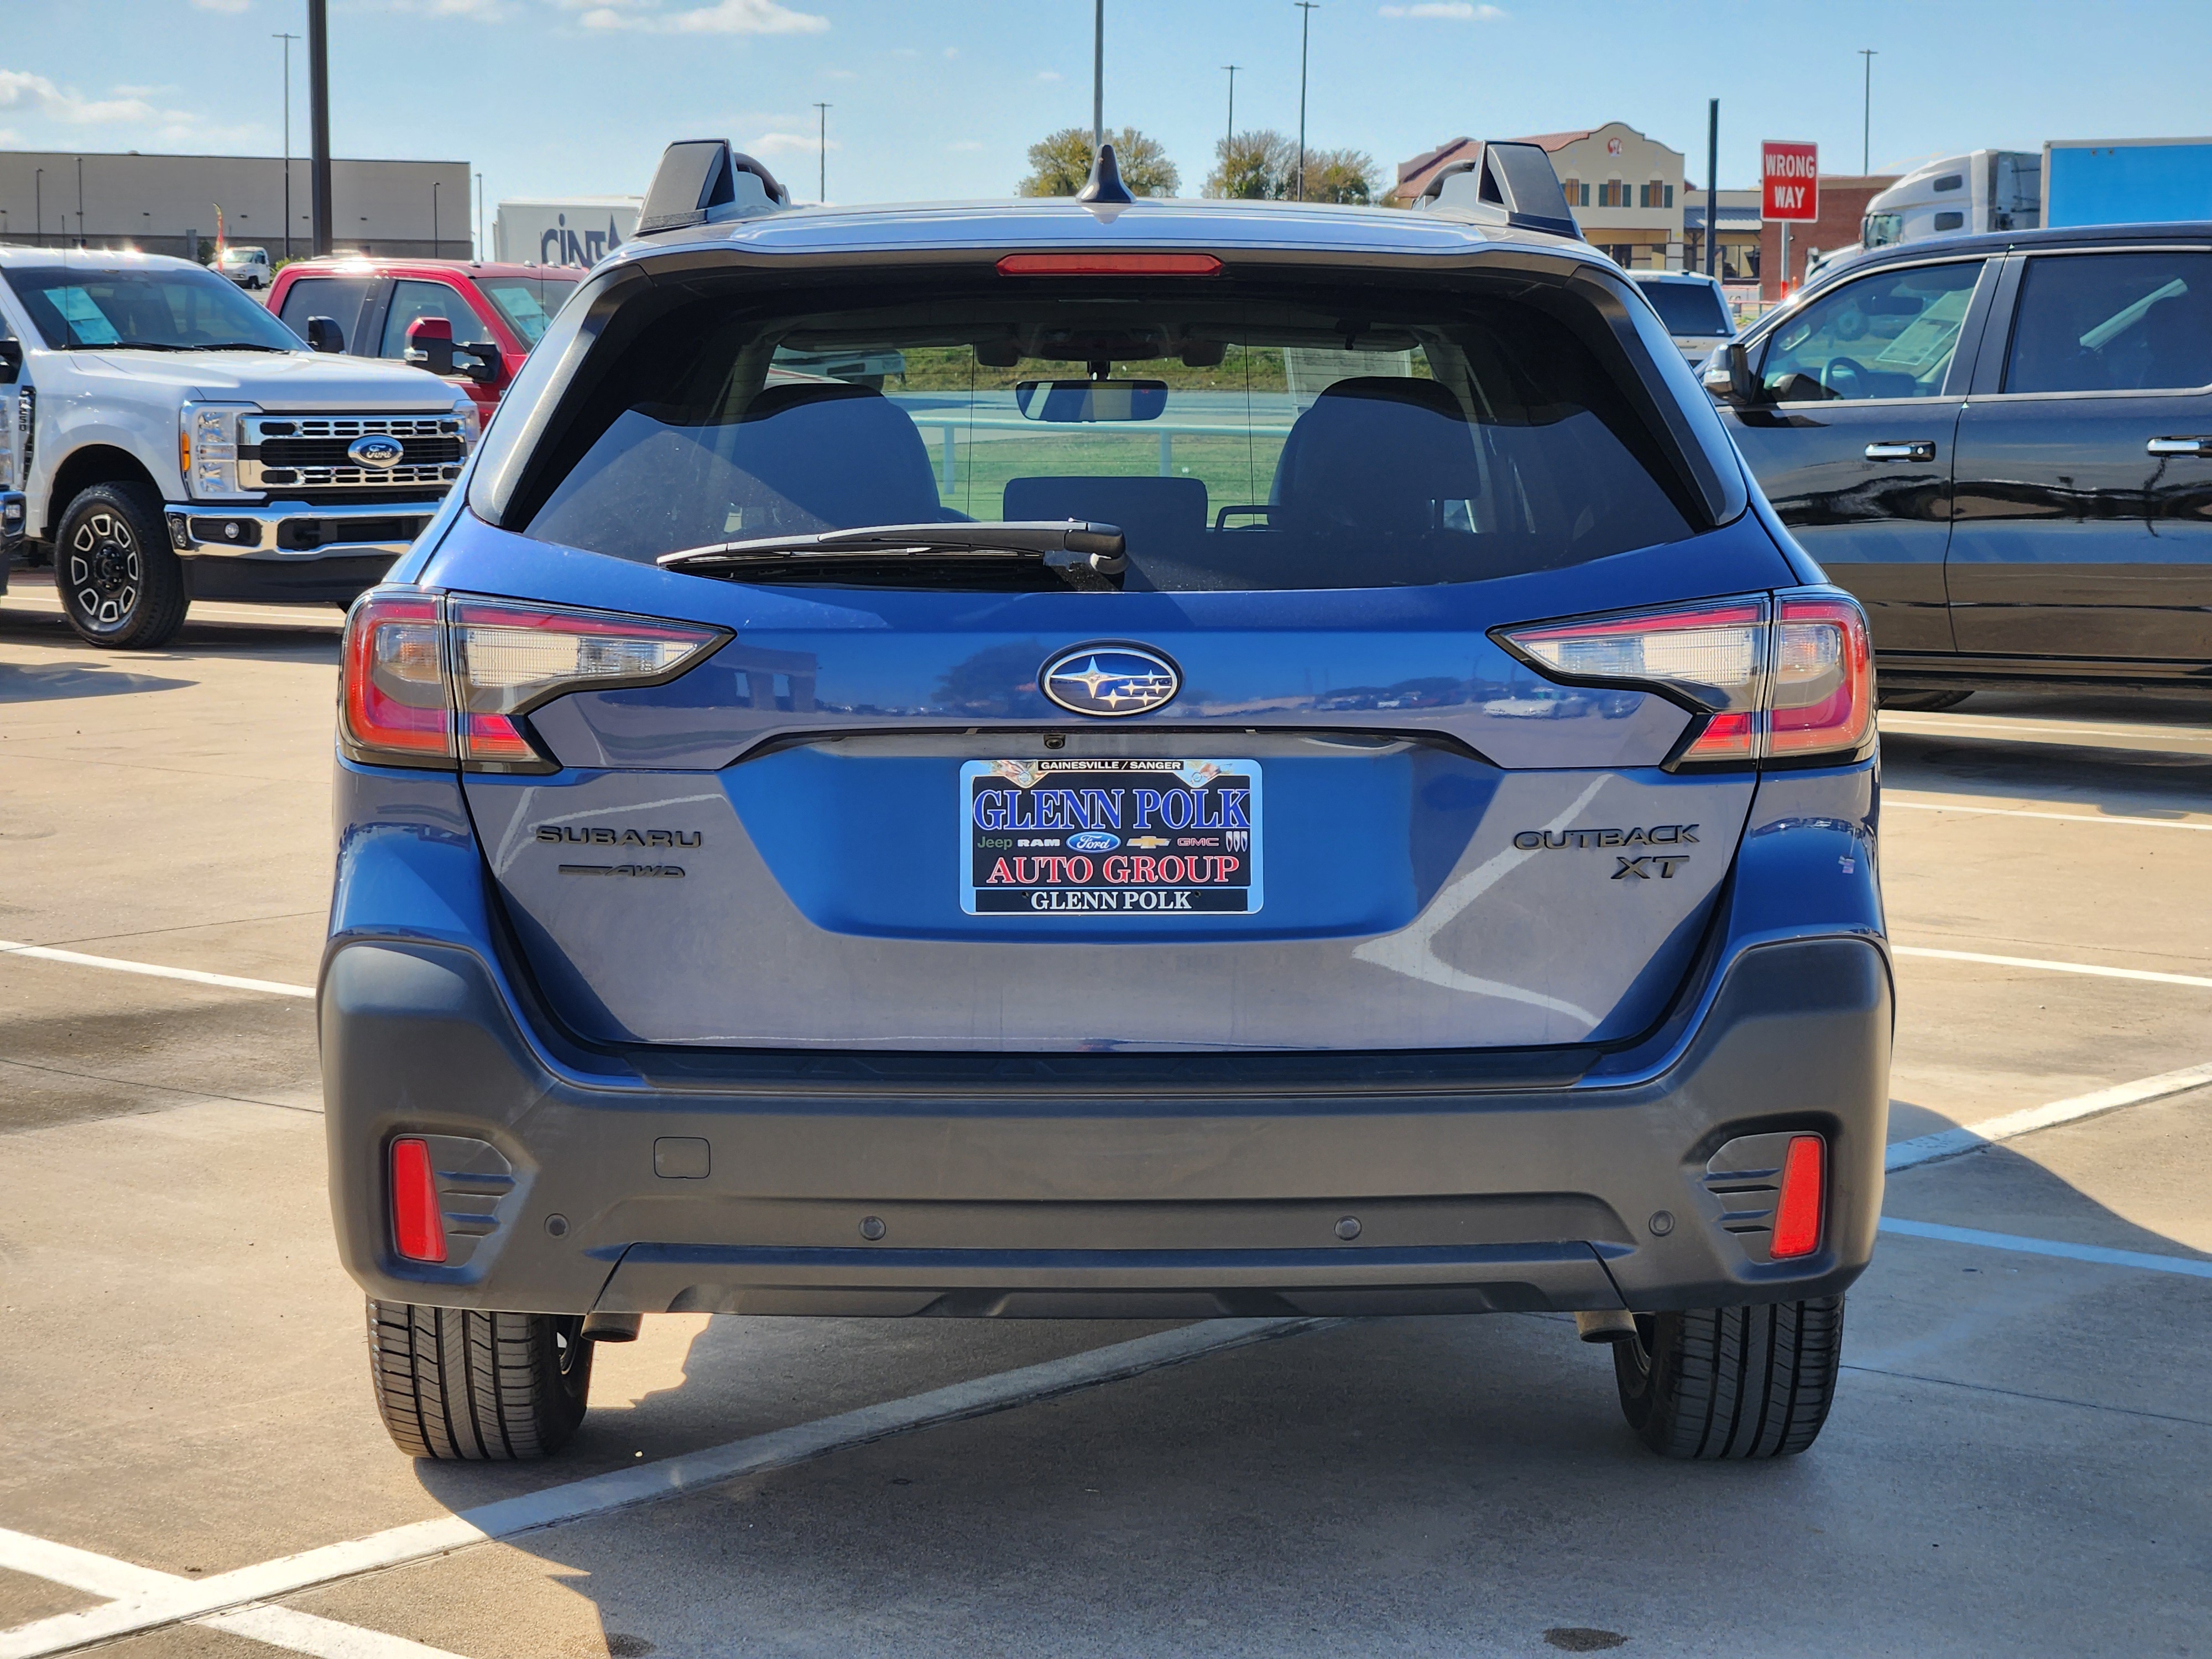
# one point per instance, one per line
(171, 440)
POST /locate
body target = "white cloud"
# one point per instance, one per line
(722, 17)
(1048, 75)
(788, 143)
(222, 5)
(480, 11)
(1458, 11)
(19, 89)
(953, 51)
(842, 75)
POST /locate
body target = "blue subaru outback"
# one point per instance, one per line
(1097, 758)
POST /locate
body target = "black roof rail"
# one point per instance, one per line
(1504, 182)
(703, 181)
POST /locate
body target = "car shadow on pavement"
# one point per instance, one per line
(1459, 1485)
(56, 682)
(2057, 772)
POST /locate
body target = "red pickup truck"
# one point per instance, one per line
(428, 308)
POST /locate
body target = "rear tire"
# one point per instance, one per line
(454, 1383)
(1721, 1382)
(1922, 702)
(121, 586)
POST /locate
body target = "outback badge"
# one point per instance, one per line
(1110, 680)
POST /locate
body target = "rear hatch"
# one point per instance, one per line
(1244, 760)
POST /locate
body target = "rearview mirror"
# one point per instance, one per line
(430, 345)
(1075, 403)
(1728, 376)
(323, 334)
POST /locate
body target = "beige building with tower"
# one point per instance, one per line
(1624, 189)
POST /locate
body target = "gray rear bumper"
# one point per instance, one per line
(1009, 1189)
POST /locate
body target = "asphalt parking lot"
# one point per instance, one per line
(2020, 1462)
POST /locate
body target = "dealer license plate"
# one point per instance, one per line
(1121, 837)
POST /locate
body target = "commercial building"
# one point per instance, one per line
(1626, 191)
(1737, 260)
(168, 204)
(1844, 198)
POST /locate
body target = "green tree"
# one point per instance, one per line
(1059, 164)
(1342, 175)
(1253, 166)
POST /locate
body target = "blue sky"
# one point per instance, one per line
(940, 98)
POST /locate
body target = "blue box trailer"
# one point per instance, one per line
(2105, 181)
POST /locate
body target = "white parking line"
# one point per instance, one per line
(174, 1603)
(1950, 1143)
(2094, 969)
(2157, 1264)
(281, 1627)
(1890, 799)
(153, 970)
(1921, 725)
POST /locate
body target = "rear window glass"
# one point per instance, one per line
(2113, 322)
(337, 298)
(1239, 437)
(1689, 307)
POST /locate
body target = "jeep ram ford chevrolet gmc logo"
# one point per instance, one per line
(377, 450)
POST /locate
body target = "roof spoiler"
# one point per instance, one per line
(1507, 183)
(703, 181)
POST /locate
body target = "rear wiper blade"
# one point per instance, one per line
(1102, 544)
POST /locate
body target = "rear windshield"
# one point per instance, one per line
(1689, 307)
(1239, 436)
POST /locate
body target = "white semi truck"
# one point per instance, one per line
(1982, 190)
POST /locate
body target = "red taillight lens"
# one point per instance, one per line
(1797, 1211)
(1781, 680)
(508, 657)
(393, 709)
(1109, 265)
(1823, 678)
(430, 677)
(418, 1230)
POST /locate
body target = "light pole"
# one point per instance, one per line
(1305, 30)
(435, 182)
(481, 250)
(1712, 183)
(822, 155)
(80, 201)
(1866, 118)
(1097, 76)
(319, 118)
(288, 40)
(1232, 69)
(39, 208)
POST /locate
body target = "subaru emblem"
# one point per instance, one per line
(1110, 680)
(377, 450)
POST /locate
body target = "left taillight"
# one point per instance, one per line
(394, 706)
(1781, 678)
(444, 679)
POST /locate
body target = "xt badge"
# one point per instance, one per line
(1635, 867)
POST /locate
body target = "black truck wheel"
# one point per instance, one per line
(121, 586)
(1717, 1382)
(452, 1382)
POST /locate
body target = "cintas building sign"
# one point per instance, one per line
(1790, 180)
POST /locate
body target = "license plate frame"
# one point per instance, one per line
(1013, 826)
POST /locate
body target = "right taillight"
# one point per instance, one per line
(418, 1228)
(1798, 1206)
(432, 679)
(1784, 677)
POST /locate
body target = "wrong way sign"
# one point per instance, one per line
(1790, 180)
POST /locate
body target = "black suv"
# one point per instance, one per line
(2002, 445)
